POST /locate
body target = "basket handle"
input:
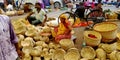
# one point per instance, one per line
(71, 15)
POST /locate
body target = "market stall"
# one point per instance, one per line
(100, 43)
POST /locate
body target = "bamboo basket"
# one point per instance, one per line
(20, 12)
(108, 31)
(118, 35)
(92, 41)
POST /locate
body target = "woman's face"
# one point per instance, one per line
(62, 20)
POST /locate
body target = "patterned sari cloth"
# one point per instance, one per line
(7, 39)
(63, 32)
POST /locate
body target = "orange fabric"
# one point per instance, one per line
(63, 32)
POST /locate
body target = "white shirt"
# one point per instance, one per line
(1, 1)
(87, 11)
(10, 7)
(39, 15)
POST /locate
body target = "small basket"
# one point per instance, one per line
(108, 31)
(20, 12)
(118, 36)
(92, 41)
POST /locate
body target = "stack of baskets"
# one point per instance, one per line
(104, 32)
(107, 30)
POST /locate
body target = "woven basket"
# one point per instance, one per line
(92, 41)
(108, 31)
(66, 44)
(20, 12)
(118, 36)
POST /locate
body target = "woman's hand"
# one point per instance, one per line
(19, 52)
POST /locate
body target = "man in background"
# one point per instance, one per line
(80, 10)
(2, 6)
(37, 16)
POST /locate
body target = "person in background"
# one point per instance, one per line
(80, 10)
(86, 3)
(93, 4)
(118, 4)
(8, 40)
(64, 4)
(42, 4)
(9, 7)
(98, 6)
(46, 3)
(2, 6)
(99, 10)
(37, 16)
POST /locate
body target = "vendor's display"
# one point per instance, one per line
(19, 26)
(14, 12)
(10, 13)
(37, 44)
(20, 12)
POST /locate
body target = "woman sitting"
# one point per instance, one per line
(63, 30)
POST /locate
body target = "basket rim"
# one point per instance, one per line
(118, 35)
(105, 23)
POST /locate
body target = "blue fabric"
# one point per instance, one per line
(16, 3)
(46, 2)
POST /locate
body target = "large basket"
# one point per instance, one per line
(92, 41)
(108, 31)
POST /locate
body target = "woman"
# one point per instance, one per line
(64, 29)
(8, 40)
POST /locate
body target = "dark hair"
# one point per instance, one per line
(38, 4)
(10, 3)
